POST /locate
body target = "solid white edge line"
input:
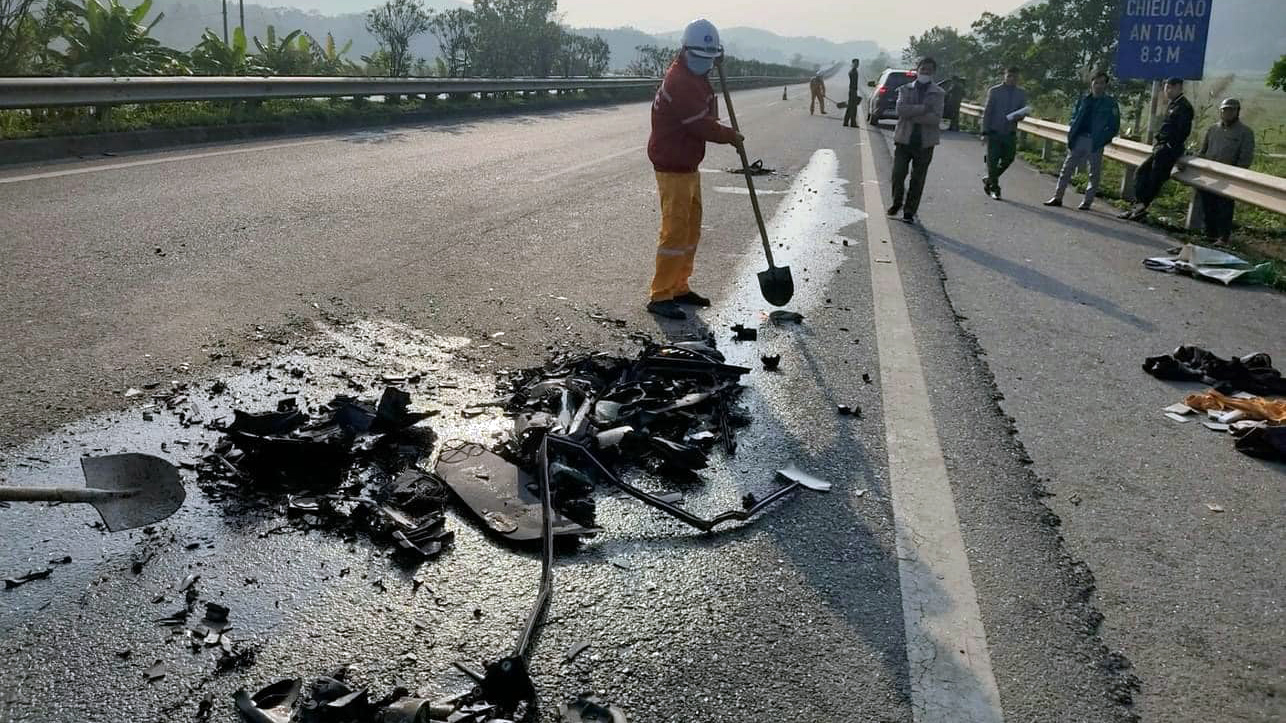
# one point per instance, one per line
(950, 664)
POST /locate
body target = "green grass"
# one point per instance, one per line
(82, 121)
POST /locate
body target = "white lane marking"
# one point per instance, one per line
(946, 645)
(155, 161)
(588, 164)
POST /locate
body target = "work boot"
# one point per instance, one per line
(1085, 205)
(995, 191)
(893, 210)
(908, 218)
(667, 309)
(691, 298)
(1054, 202)
(1135, 213)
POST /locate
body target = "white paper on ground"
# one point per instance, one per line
(1179, 408)
(1178, 417)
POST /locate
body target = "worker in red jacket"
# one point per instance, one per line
(685, 116)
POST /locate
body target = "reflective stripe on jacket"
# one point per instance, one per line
(685, 115)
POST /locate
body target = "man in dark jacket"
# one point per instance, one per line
(1232, 142)
(685, 116)
(1006, 105)
(1166, 150)
(919, 130)
(1095, 122)
(955, 96)
(854, 97)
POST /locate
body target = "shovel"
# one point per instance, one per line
(128, 490)
(775, 284)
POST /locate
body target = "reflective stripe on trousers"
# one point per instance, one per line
(676, 246)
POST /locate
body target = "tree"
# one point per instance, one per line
(284, 56)
(454, 30)
(330, 60)
(111, 39)
(1277, 75)
(515, 37)
(212, 56)
(651, 62)
(952, 51)
(16, 23)
(395, 24)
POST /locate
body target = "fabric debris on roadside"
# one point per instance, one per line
(1212, 264)
(1255, 408)
(1253, 373)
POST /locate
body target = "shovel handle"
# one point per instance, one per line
(745, 166)
(60, 494)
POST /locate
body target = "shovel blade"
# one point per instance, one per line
(153, 484)
(776, 285)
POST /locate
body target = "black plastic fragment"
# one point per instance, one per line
(771, 362)
(741, 333)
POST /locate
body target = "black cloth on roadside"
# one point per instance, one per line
(1265, 443)
(1253, 374)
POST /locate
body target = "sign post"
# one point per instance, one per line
(1162, 39)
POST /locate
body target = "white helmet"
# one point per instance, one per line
(701, 38)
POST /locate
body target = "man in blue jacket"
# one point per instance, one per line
(1095, 122)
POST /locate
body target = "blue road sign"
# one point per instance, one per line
(1163, 38)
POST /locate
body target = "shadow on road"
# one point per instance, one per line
(1033, 280)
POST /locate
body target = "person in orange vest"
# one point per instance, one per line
(685, 116)
(817, 87)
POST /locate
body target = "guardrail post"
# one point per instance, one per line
(1127, 183)
(1196, 219)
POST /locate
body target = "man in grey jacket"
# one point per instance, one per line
(919, 110)
(1229, 141)
(1005, 105)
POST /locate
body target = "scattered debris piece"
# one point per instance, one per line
(349, 467)
(273, 704)
(499, 493)
(781, 316)
(866, 378)
(20, 580)
(845, 410)
(589, 709)
(1179, 409)
(1212, 264)
(1214, 507)
(576, 650)
(158, 670)
(754, 169)
(1181, 419)
(771, 362)
(741, 333)
(803, 479)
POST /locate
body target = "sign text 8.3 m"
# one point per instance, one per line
(1163, 38)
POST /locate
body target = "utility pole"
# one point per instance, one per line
(241, 5)
(225, 22)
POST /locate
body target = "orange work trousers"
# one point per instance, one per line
(676, 248)
(819, 98)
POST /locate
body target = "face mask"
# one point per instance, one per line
(922, 78)
(697, 64)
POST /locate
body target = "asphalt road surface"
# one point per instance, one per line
(1015, 533)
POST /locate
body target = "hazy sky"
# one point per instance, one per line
(888, 22)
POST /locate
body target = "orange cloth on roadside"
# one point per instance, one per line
(1268, 410)
(676, 247)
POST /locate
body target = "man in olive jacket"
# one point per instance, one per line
(919, 111)
(1228, 141)
(1095, 122)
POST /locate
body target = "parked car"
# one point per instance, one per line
(885, 97)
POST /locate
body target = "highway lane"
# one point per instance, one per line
(465, 229)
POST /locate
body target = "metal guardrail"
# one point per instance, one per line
(18, 93)
(1258, 189)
